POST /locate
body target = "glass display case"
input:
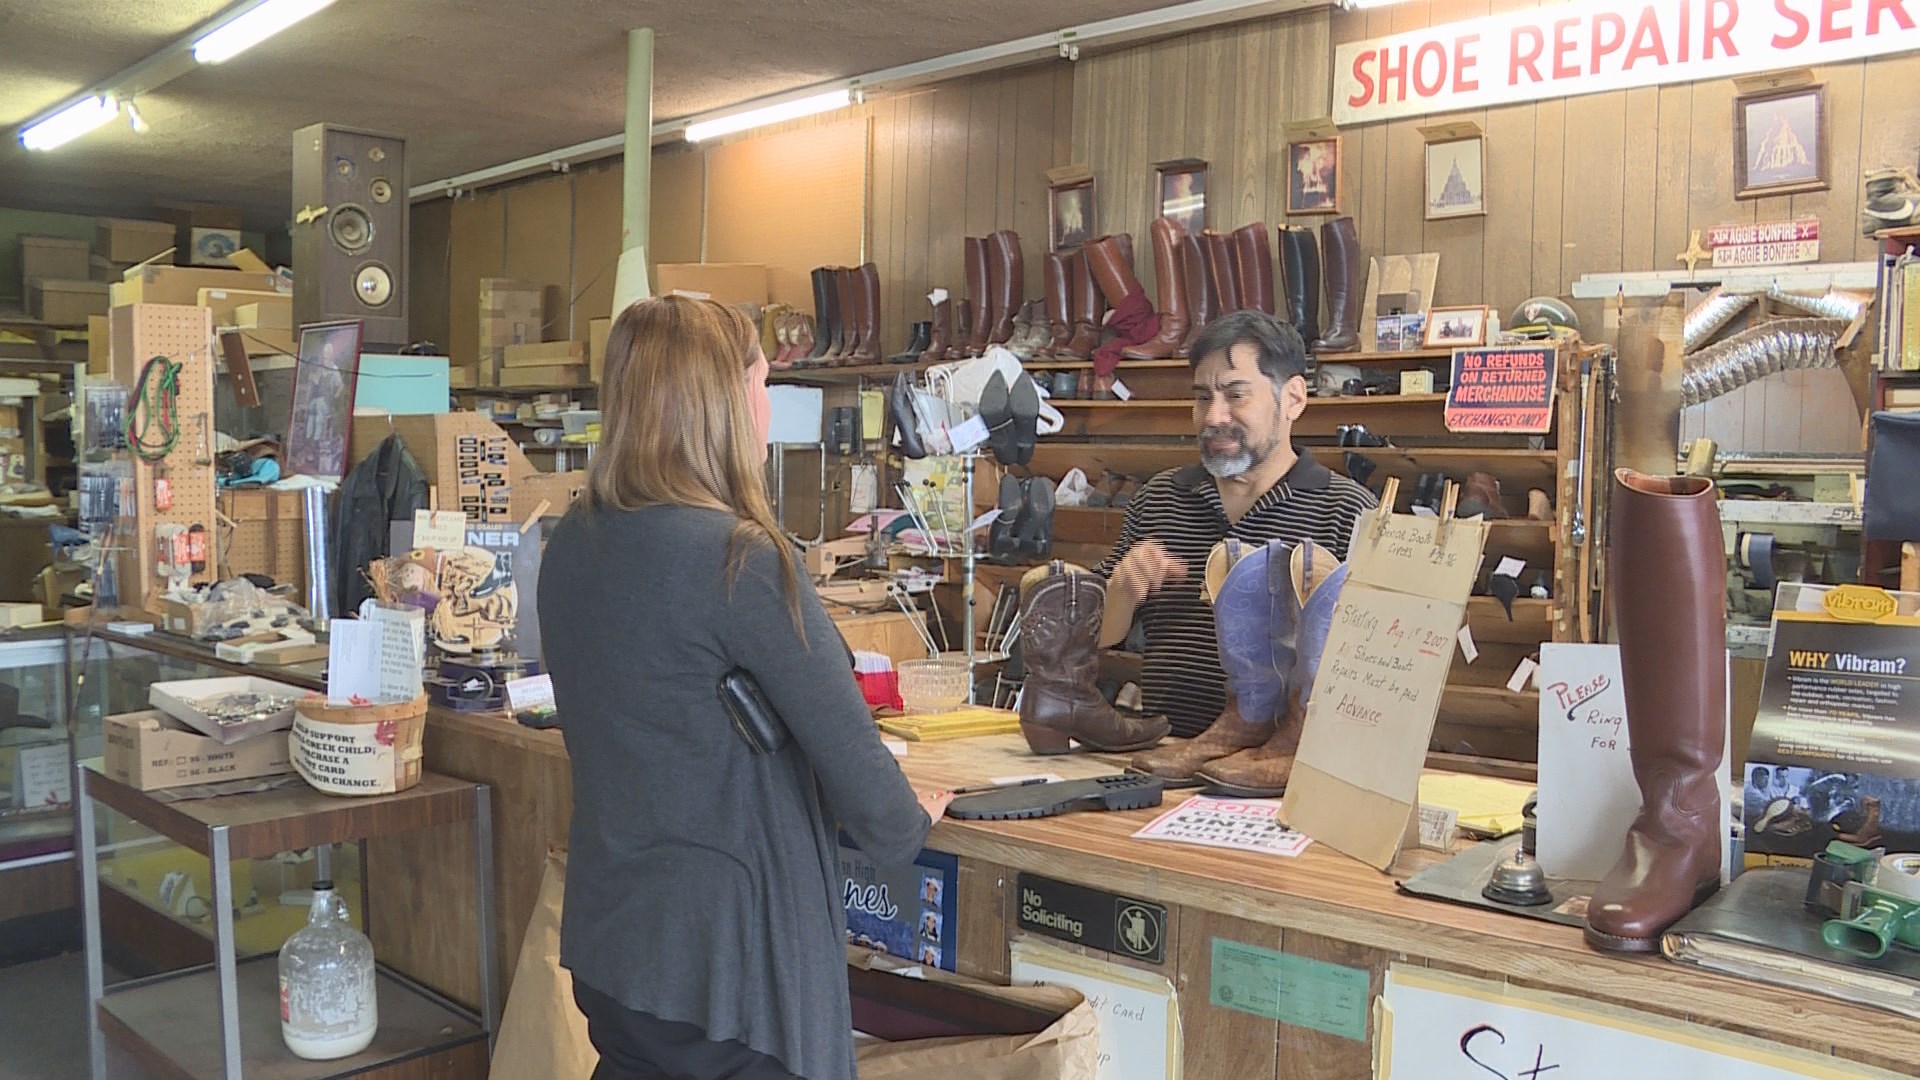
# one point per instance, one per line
(36, 752)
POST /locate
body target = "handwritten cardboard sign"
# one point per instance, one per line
(1502, 390)
(1356, 779)
(1588, 795)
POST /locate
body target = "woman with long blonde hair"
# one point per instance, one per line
(704, 921)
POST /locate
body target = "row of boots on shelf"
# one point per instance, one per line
(845, 328)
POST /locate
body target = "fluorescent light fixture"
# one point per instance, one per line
(770, 114)
(1362, 5)
(69, 123)
(252, 27)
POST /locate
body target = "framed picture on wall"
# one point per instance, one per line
(1456, 178)
(320, 427)
(1313, 176)
(1070, 214)
(1780, 142)
(1455, 327)
(1181, 191)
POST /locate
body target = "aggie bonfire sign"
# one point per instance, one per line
(1586, 48)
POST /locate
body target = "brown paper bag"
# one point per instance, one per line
(542, 1032)
(1068, 1049)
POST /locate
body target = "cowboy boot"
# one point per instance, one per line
(773, 332)
(1006, 268)
(1481, 496)
(1060, 644)
(1085, 300)
(962, 330)
(1671, 612)
(1297, 629)
(978, 277)
(1020, 342)
(1253, 258)
(866, 307)
(1058, 278)
(939, 334)
(1340, 247)
(1173, 295)
(1302, 279)
(1254, 686)
(825, 303)
(1226, 271)
(1199, 276)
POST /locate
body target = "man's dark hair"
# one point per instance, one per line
(1278, 349)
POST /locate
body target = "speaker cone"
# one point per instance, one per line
(381, 191)
(373, 285)
(352, 229)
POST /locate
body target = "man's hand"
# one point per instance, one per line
(1146, 568)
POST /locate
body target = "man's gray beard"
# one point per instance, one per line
(1226, 466)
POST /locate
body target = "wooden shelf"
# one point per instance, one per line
(511, 391)
(1125, 365)
(1496, 705)
(1136, 403)
(1532, 621)
(1409, 356)
(840, 374)
(172, 1023)
(1379, 399)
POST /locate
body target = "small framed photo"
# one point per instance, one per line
(320, 426)
(1386, 333)
(1456, 178)
(1313, 176)
(1070, 214)
(1780, 142)
(1181, 188)
(1455, 327)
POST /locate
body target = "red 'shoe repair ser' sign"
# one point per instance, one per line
(1590, 46)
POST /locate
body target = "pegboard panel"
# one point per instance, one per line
(267, 535)
(184, 335)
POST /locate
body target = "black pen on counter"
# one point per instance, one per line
(1028, 782)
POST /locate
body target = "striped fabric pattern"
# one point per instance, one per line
(1181, 508)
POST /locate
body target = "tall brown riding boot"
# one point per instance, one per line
(941, 338)
(962, 330)
(1226, 271)
(1060, 644)
(825, 301)
(1006, 269)
(1340, 247)
(1112, 267)
(1173, 295)
(977, 279)
(866, 309)
(1253, 257)
(1058, 281)
(846, 333)
(1194, 267)
(1669, 598)
(1084, 298)
(1300, 257)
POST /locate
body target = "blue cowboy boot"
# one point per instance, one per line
(1300, 635)
(1255, 688)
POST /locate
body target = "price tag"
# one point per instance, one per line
(1467, 647)
(441, 530)
(532, 692)
(968, 435)
(1436, 827)
(1522, 675)
(1510, 567)
(1120, 390)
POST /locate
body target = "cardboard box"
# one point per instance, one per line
(544, 375)
(125, 241)
(20, 614)
(597, 332)
(261, 342)
(53, 257)
(226, 303)
(729, 283)
(67, 303)
(264, 314)
(545, 354)
(268, 535)
(466, 457)
(462, 376)
(161, 284)
(212, 247)
(556, 489)
(99, 345)
(214, 226)
(150, 750)
(512, 312)
(187, 620)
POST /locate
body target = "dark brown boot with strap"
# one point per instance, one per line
(1060, 644)
(1667, 557)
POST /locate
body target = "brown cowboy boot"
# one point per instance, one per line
(1671, 607)
(1200, 295)
(1060, 642)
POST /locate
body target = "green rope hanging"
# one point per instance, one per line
(153, 418)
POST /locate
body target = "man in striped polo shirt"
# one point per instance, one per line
(1249, 386)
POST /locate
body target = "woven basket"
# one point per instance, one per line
(401, 725)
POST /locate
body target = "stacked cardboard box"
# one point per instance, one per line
(597, 332)
(66, 303)
(511, 313)
(265, 319)
(549, 363)
(122, 242)
(58, 258)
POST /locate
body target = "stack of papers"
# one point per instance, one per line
(964, 723)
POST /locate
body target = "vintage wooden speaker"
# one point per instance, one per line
(350, 231)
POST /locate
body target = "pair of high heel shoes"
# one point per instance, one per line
(1024, 529)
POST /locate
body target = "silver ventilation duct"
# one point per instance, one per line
(1706, 319)
(1781, 345)
(1834, 304)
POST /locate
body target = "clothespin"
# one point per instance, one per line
(1389, 495)
(1447, 505)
